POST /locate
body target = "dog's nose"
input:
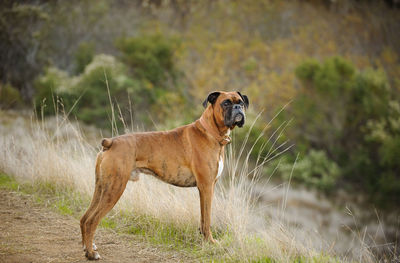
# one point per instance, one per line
(236, 106)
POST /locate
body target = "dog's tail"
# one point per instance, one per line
(106, 143)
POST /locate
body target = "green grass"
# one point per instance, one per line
(64, 200)
(9, 183)
(318, 259)
(67, 202)
(162, 233)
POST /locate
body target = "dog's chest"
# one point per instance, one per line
(220, 167)
(221, 159)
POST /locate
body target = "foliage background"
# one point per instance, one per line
(336, 62)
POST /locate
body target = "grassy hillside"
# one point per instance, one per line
(55, 164)
(331, 69)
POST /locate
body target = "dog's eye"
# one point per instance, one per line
(227, 103)
(241, 103)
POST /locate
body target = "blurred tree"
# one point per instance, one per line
(346, 114)
(315, 169)
(148, 83)
(20, 43)
(149, 57)
(319, 109)
(151, 60)
(83, 56)
(9, 97)
(46, 90)
(86, 95)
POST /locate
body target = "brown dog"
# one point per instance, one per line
(188, 156)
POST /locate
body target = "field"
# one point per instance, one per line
(33, 230)
(313, 176)
(53, 161)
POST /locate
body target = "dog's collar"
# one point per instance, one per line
(205, 127)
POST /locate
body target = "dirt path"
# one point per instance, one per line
(33, 233)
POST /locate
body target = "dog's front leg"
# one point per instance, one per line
(206, 191)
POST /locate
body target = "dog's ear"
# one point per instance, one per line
(245, 99)
(212, 97)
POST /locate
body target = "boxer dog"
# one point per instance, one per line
(188, 156)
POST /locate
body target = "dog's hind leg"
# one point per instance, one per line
(94, 202)
(113, 185)
(90, 210)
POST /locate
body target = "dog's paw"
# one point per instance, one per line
(94, 247)
(92, 255)
(213, 241)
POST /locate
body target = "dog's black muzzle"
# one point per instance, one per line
(238, 116)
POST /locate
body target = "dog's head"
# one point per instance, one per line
(228, 108)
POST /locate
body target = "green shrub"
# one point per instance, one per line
(86, 96)
(9, 97)
(384, 134)
(144, 82)
(149, 57)
(151, 62)
(315, 170)
(319, 111)
(90, 92)
(83, 56)
(47, 87)
(351, 118)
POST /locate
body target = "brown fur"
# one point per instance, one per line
(186, 156)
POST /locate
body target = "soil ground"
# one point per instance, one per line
(33, 233)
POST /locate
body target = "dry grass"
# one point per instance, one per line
(56, 151)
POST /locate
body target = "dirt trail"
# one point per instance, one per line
(33, 233)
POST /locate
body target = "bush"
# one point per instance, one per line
(148, 85)
(384, 134)
(86, 95)
(315, 170)
(9, 97)
(91, 86)
(319, 110)
(150, 59)
(83, 56)
(345, 115)
(47, 88)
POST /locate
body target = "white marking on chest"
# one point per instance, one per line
(220, 167)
